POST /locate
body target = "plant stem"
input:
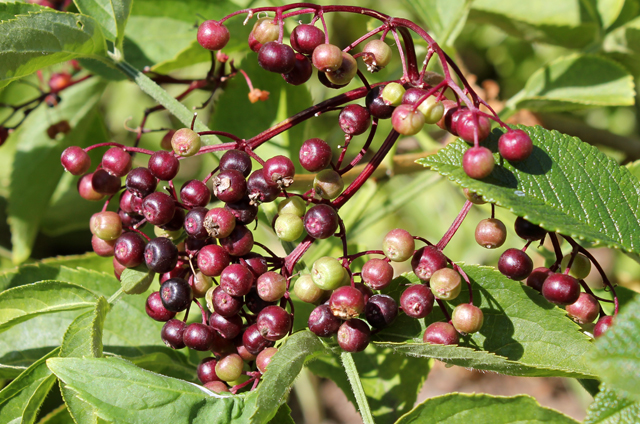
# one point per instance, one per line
(356, 385)
(115, 296)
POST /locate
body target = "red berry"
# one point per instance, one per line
(212, 35)
(515, 145)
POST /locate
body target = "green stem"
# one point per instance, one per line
(356, 386)
(115, 296)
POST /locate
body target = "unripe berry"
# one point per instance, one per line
(327, 57)
(185, 142)
(392, 93)
(288, 227)
(407, 120)
(106, 225)
(308, 291)
(85, 189)
(398, 245)
(328, 184)
(264, 358)
(327, 273)
(491, 233)
(265, 30)
(432, 109)
(580, 267)
(293, 205)
(74, 160)
(584, 310)
(377, 273)
(345, 72)
(446, 284)
(603, 324)
(467, 318)
(271, 286)
(379, 55)
(212, 35)
(515, 145)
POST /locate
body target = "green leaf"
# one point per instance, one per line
(569, 23)
(609, 11)
(565, 186)
(391, 382)
(32, 41)
(60, 415)
(136, 280)
(283, 416)
(37, 154)
(610, 407)
(445, 18)
(459, 408)
(122, 392)
(190, 55)
(616, 358)
(575, 82)
(112, 16)
(21, 399)
(520, 327)
(25, 302)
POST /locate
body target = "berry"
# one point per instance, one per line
(380, 310)
(327, 273)
(198, 336)
(74, 160)
(469, 122)
(271, 286)
(219, 222)
(253, 340)
(236, 160)
(515, 145)
(257, 264)
(322, 322)
(158, 208)
(398, 245)
(345, 72)
(101, 247)
(200, 284)
(105, 183)
(527, 230)
(301, 72)
(446, 284)
(580, 267)
(321, 221)
(603, 324)
(175, 294)
(346, 302)
(207, 370)
(260, 190)
(307, 291)
(217, 387)
(376, 104)
(141, 182)
(172, 332)
(407, 120)
(185, 142)
(131, 219)
(441, 333)
(59, 81)
(229, 186)
(228, 327)
(163, 165)
(194, 223)
(156, 310)
(474, 198)
(328, 184)
(106, 225)
(244, 211)
(536, 279)
(118, 268)
(412, 96)
(288, 227)
(293, 205)
(432, 109)
(353, 335)
(212, 35)
(239, 242)
(265, 30)
(254, 303)
(195, 193)
(377, 273)
(264, 358)
(86, 191)
(276, 57)
(305, 38)
(584, 310)
(392, 93)
(225, 304)
(161, 255)
(379, 55)
(230, 367)
(467, 318)
(561, 289)
(254, 44)
(236, 280)
(515, 264)
(491, 233)
(426, 261)
(417, 301)
(129, 250)
(327, 57)
(279, 170)
(116, 162)
(354, 119)
(478, 162)
(273, 322)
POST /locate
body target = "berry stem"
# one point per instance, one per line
(454, 226)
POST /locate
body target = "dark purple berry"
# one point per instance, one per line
(74, 159)
(229, 186)
(276, 57)
(192, 245)
(561, 289)
(105, 183)
(176, 223)
(253, 340)
(527, 230)
(322, 322)
(243, 210)
(279, 170)
(161, 255)
(417, 301)
(315, 155)
(256, 264)
(426, 261)
(130, 203)
(158, 208)
(378, 108)
(212, 35)
(441, 333)
(219, 222)
(156, 310)
(353, 335)
(536, 279)
(225, 304)
(305, 38)
(194, 223)
(130, 219)
(515, 145)
(274, 322)
(413, 95)
(212, 260)
(164, 165)
(380, 310)
(198, 336)
(354, 119)
(227, 327)
(141, 182)
(236, 160)
(236, 280)
(239, 242)
(172, 332)
(255, 304)
(321, 221)
(260, 190)
(175, 294)
(515, 264)
(195, 193)
(301, 72)
(129, 249)
(116, 162)
(207, 370)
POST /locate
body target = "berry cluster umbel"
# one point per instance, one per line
(204, 248)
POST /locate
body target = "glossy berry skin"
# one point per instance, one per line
(288, 227)
(198, 336)
(327, 57)
(254, 303)
(561, 289)
(59, 80)
(163, 165)
(346, 302)
(379, 55)
(229, 186)
(116, 162)
(156, 310)
(236, 280)
(165, 143)
(515, 264)
(417, 301)
(244, 211)
(265, 30)
(271, 286)
(236, 160)
(200, 284)
(345, 72)
(74, 160)
(450, 116)
(225, 304)
(129, 250)
(260, 190)
(212, 35)
(239, 242)
(161, 255)
(141, 182)
(376, 104)
(393, 93)
(321, 221)
(86, 191)
(353, 335)
(407, 120)
(273, 322)
(301, 72)
(254, 44)
(377, 273)
(264, 359)
(105, 183)
(466, 126)
(603, 324)
(305, 38)
(176, 223)
(322, 322)
(279, 170)
(354, 119)
(194, 223)
(106, 225)
(478, 162)
(491, 233)
(584, 310)
(441, 333)
(185, 142)
(446, 284)
(131, 219)
(101, 247)
(195, 193)
(315, 155)
(219, 222)
(327, 273)
(413, 95)
(256, 263)
(527, 230)
(380, 310)
(467, 318)
(398, 245)
(172, 333)
(207, 370)
(426, 261)
(158, 208)
(253, 341)
(175, 294)
(276, 57)
(328, 184)
(515, 145)
(536, 279)
(227, 327)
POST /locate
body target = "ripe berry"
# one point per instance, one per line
(353, 335)
(327, 57)
(253, 340)
(101, 247)
(161, 255)
(4, 135)
(237, 160)
(264, 358)
(236, 280)
(227, 327)
(322, 322)
(230, 367)
(229, 186)
(377, 273)
(195, 193)
(276, 57)
(467, 318)
(346, 302)
(515, 264)
(537, 277)
(446, 284)
(441, 333)
(172, 332)
(301, 72)
(288, 227)
(515, 145)
(279, 170)
(194, 223)
(584, 310)
(380, 310)
(305, 38)
(132, 219)
(244, 211)
(129, 250)
(217, 387)
(527, 230)
(74, 160)
(293, 205)
(469, 122)
(412, 96)
(321, 221)
(163, 165)
(105, 183)
(256, 263)
(59, 81)
(158, 208)
(260, 190)
(198, 336)
(254, 303)
(156, 310)
(561, 289)
(580, 267)
(491, 233)
(407, 120)
(478, 162)
(417, 301)
(271, 286)
(354, 119)
(398, 245)
(273, 322)
(345, 72)
(239, 242)
(212, 259)
(379, 55)
(603, 324)
(207, 370)
(165, 143)
(254, 44)
(393, 93)
(106, 225)
(376, 104)
(212, 35)
(219, 222)
(265, 30)
(328, 184)
(225, 304)
(141, 182)
(85, 189)
(426, 261)
(307, 291)
(327, 273)
(175, 294)
(116, 162)
(186, 142)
